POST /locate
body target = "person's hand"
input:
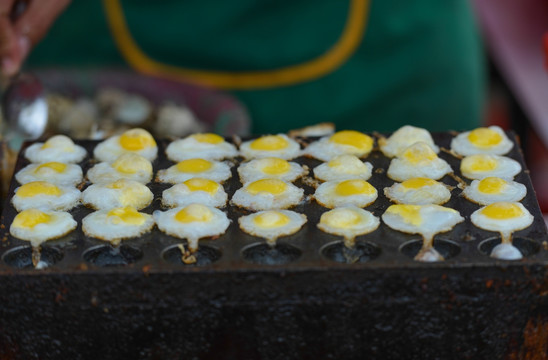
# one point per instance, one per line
(20, 32)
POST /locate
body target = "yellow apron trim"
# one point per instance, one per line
(326, 63)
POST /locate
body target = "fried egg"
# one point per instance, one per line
(280, 146)
(117, 224)
(127, 166)
(480, 166)
(137, 141)
(53, 172)
(346, 142)
(37, 226)
(57, 148)
(271, 168)
(343, 167)
(267, 194)
(190, 168)
(348, 222)
(195, 190)
(484, 140)
(418, 191)
(403, 138)
(494, 189)
(46, 196)
(192, 222)
(119, 193)
(272, 224)
(205, 146)
(504, 218)
(355, 192)
(418, 160)
(426, 220)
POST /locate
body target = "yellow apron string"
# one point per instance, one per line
(324, 64)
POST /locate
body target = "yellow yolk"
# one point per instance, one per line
(353, 138)
(126, 215)
(131, 163)
(492, 185)
(272, 186)
(409, 213)
(419, 154)
(502, 211)
(340, 218)
(59, 141)
(38, 188)
(194, 165)
(269, 143)
(136, 139)
(271, 219)
(128, 194)
(354, 187)
(481, 163)
(275, 166)
(30, 218)
(208, 138)
(417, 183)
(194, 213)
(55, 166)
(484, 137)
(198, 184)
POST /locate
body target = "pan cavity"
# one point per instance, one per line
(265, 254)
(108, 255)
(361, 252)
(446, 248)
(526, 247)
(21, 257)
(177, 254)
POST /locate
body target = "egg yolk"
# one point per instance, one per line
(340, 218)
(502, 211)
(417, 183)
(269, 143)
(478, 163)
(50, 166)
(131, 163)
(38, 188)
(194, 213)
(419, 153)
(484, 137)
(409, 213)
(126, 215)
(271, 186)
(271, 219)
(492, 185)
(356, 139)
(59, 141)
(275, 166)
(136, 139)
(354, 187)
(30, 218)
(129, 194)
(198, 184)
(208, 138)
(194, 165)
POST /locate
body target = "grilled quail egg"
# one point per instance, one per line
(267, 194)
(205, 146)
(346, 142)
(280, 146)
(53, 172)
(480, 166)
(418, 191)
(270, 167)
(348, 222)
(119, 193)
(45, 195)
(418, 160)
(137, 141)
(403, 138)
(37, 226)
(484, 140)
(355, 192)
(127, 166)
(272, 224)
(494, 189)
(195, 190)
(57, 148)
(343, 167)
(189, 168)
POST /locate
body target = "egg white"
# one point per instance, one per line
(404, 137)
(327, 196)
(265, 200)
(254, 170)
(105, 172)
(343, 167)
(348, 222)
(180, 195)
(296, 221)
(505, 168)
(291, 151)
(511, 192)
(57, 148)
(219, 172)
(462, 145)
(130, 193)
(437, 193)
(190, 147)
(68, 199)
(110, 149)
(325, 149)
(100, 225)
(71, 175)
(400, 169)
(60, 224)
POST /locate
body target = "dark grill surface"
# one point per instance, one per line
(301, 300)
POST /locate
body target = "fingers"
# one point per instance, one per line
(38, 17)
(8, 42)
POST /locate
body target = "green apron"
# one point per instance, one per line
(365, 65)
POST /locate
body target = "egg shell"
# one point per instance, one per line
(69, 198)
(57, 148)
(292, 150)
(253, 170)
(71, 175)
(404, 137)
(343, 167)
(180, 195)
(190, 147)
(461, 144)
(296, 221)
(60, 225)
(101, 226)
